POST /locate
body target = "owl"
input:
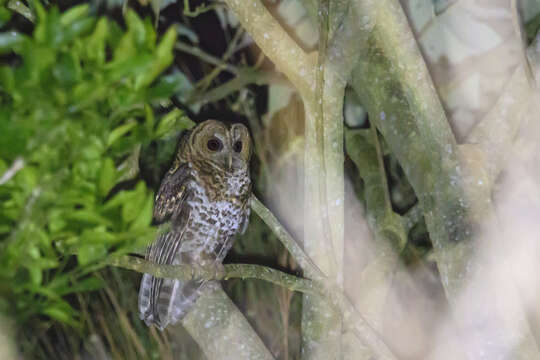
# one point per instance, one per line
(205, 199)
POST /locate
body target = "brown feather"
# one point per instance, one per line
(205, 198)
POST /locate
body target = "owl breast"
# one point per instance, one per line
(215, 217)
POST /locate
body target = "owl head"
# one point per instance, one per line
(219, 146)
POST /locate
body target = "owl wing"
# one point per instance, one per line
(174, 192)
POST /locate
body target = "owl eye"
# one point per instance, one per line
(214, 144)
(237, 146)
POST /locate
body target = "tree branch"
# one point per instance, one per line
(353, 320)
(195, 51)
(324, 290)
(406, 109)
(215, 323)
(495, 134)
(229, 271)
(277, 45)
(244, 77)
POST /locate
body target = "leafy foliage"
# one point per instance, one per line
(77, 99)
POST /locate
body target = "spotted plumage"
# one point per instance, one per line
(204, 197)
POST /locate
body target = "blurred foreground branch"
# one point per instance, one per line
(495, 134)
(393, 82)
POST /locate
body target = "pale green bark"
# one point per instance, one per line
(390, 237)
(222, 331)
(393, 83)
(325, 291)
(495, 134)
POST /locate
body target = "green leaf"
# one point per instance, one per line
(89, 253)
(131, 209)
(17, 7)
(7, 83)
(88, 216)
(174, 84)
(48, 29)
(95, 45)
(164, 58)
(11, 41)
(5, 16)
(136, 27)
(119, 132)
(36, 274)
(41, 14)
(131, 66)
(74, 30)
(149, 119)
(87, 284)
(73, 14)
(107, 176)
(174, 121)
(118, 200)
(67, 69)
(60, 313)
(144, 219)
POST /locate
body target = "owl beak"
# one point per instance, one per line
(230, 161)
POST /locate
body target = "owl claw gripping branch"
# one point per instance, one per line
(205, 197)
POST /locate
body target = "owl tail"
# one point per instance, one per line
(166, 301)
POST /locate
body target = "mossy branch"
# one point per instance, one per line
(244, 77)
(318, 285)
(250, 271)
(229, 271)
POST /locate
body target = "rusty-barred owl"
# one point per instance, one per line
(205, 197)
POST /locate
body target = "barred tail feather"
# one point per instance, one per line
(171, 301)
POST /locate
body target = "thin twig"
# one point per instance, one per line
(195, 51)
(245, 76)
(200, 9)
(207, 80)
(17, 165)
(351, 316)
(308, 266)
(382, 171)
